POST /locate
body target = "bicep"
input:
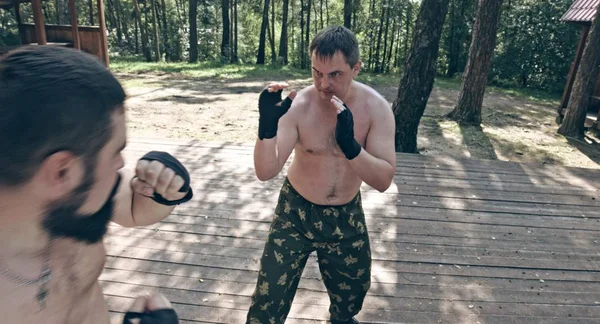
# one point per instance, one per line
(380, 140)
(122, 211)
(287, 136)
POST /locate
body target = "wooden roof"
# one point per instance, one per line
(581, 11)
(453, 241)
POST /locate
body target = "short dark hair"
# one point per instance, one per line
(332, 39)
(53, 99)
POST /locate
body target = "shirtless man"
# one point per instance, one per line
(342, 133)
(62, 130)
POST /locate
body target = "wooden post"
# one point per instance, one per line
(74, 24)
(573, 71)
(38, 18)
(103, 40)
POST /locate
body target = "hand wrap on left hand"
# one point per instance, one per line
(172, 163)
(344, 134)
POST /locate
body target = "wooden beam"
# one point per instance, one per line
(74, 24)
(103, 40)
(38, 18)
(574, 66)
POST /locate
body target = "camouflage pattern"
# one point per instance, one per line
(339, 236)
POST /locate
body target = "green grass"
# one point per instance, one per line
(211, 70)
(206, 70)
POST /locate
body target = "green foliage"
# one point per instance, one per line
(534, 49)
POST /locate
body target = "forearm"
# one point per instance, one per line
(375, 172)
(146, 211)
(266, 162)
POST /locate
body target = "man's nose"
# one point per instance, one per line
(324, 82)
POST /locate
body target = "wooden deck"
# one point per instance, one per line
(453, 241)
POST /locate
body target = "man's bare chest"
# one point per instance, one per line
(316, 133)
(68, 293)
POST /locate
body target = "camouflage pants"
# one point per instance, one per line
(339, 236)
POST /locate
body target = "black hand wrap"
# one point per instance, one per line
(159, 316)
(344, 134)
(270, 113)
(172, 163)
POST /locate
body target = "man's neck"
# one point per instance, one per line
(21, 233)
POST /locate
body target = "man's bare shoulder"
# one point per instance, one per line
(378, 104)
(303, 98)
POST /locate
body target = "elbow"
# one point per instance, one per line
(385, 183)
(264, 175)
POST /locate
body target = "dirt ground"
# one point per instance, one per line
(513, 128)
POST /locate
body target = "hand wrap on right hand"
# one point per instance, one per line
(159, 316)
(270, 112)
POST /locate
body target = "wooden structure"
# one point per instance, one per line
(453, 241)
(91, 39)
(581, 13)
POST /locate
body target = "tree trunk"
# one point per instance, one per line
(122, 20)
(165, 31)
(272, 39)
(138, 16)
(155, 29)
(283, 43)
(137, 41)
(272, 33)
(235, 33)
(408, 18)
(468, 108)
(193, 31)
(231, 32)
(418, 74)
(379, 33)
(574, 123)
(321, 14)
(348, 13)
(57, 9)
(260, 58)
(225, 41)
(370, 34)
(385, 38)
(327, 12)
(91, 10)
(302, 45)
(307, 38)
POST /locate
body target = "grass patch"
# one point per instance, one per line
(207, 70)
(216, 70)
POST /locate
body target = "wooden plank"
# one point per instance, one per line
(237, 199)
(207, 150)
(205, 182)
(429, 264)
(387, 283)
(411, 243)
(381, 311)
(397, 214)
(233, 295)
(511, 239)
(529, 175)
(456, 255)
(459, 242)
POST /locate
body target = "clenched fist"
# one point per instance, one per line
(163, 178)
